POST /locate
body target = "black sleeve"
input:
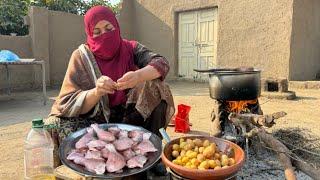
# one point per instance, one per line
(143, 57)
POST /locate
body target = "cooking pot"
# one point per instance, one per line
(234, 84)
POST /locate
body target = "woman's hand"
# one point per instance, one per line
(129, 80)
(104, 85)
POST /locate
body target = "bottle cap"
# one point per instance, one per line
(37, 123)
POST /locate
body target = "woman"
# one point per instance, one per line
(110, 79)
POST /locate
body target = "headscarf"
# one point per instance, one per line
(113, 54)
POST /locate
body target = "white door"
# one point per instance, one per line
(197, 42)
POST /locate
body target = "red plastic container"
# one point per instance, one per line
(182, 119)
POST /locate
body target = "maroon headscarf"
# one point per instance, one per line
(113, 54)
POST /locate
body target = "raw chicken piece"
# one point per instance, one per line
(93, 155)
(123, 143)
(82, 143)
(137, 161)
(96, 144)
(75, 154)
(103, 135)
(93, 149)
(105, 153)
(115, 160)
(144, 147)
(114, 130)
(136, 135)
(146, 136)
(93, 165)
(128, 154)
(122, 134)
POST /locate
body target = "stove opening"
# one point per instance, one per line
(273, 86)
(240, 106)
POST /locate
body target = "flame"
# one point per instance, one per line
(240, 106)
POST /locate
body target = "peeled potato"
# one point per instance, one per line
(193, 155)
(192, 144)
(217, 167)
(231, 161)
(197, 142)
(208, 152)
(195, 161)
(217, 156)
(185, 160)
(204, 165)
(200, 157)
(196, 149)
(175, 154)
(218, 163)
(188, 164)
(201, 149)
(213, 147)
(181, 140)
(224, 162)
(189, 141)
(187, 147)
(188, 152)
(182, 145)
(182, 153)
(176, 147)
(225, 166)
(178, 162)
(224, 157)
(206, 143)
(193, 166)
(212, 164)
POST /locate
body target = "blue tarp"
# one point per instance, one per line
(8, 56)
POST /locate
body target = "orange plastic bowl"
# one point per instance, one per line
(222, 173)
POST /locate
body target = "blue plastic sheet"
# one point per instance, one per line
(8, 56)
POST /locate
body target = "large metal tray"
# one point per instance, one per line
(69, 143)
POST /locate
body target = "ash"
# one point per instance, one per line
(263, 164)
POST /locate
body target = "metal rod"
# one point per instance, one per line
(44, 88)
(247, 148)
(164, 135)
(8, 80)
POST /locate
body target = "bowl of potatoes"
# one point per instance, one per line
(203, 157)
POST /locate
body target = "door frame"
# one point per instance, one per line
(175, 14)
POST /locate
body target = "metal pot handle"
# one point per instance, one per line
(224, 69)
(213, 70)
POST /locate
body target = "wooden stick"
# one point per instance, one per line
(258, 120)
(282, 152)
(306, 168)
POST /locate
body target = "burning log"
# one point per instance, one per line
(252, 124)
(258, 120)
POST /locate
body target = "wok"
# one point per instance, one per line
(69, 143)
(233, 84)
(223, 173)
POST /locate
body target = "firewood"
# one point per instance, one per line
(282, 152)
(254, 123)
(306, 168)
(258, 120)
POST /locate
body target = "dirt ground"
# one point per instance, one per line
(16, 113)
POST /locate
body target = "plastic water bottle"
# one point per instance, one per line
(38, 153)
